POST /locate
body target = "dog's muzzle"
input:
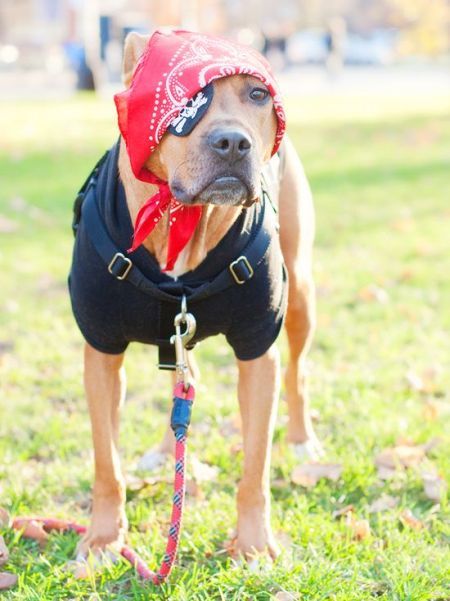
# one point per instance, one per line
(225, 190)
(228, 179)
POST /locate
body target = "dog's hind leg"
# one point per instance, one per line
(104, 379)
(157, 456)
(296, 237)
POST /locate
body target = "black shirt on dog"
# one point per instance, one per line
(112, 313)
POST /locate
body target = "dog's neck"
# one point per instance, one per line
(212, 227)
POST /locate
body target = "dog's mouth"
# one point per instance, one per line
(225, 190)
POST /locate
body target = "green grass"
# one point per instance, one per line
(379, 172)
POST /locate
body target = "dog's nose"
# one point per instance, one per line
(231, 145)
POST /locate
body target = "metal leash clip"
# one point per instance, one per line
(180, 340)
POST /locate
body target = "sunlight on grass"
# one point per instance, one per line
(378, 168)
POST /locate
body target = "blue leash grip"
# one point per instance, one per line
(182, 408)
(181, 414)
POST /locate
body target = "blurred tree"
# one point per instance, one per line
(424, 25)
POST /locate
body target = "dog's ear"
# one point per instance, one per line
(135, 44)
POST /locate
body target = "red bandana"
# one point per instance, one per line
(173, 69)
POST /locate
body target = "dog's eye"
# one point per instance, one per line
(259, 94)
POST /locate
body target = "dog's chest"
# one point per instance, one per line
(113, 313)
(181, 265)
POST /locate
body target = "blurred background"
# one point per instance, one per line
(50, 47)
(367, 93)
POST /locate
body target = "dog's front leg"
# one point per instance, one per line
(258, 391)
(104, 379)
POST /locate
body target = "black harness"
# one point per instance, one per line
(171, 292)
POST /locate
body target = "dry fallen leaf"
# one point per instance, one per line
(430, 411)
(373, 293)
(308, 474)
(229, 544)
(434, 486)
(7, 580)
(31, 529)
(6, 346)
(279, 484)
(404, 455)
(431, 444)
(7, 226)
(19, 204)
(4, 518)
(343, 511)
(424, 249)
(360, 528)
(406, 275)
(430, 375)
(425, 381)
(315, 415)
(193, 489)
(202, 472)
(286, 596)
(403, 224)
(284, 540)
(4, 553)
(408, 519)
(231, 426)
(237, 448)
(383, 503)
(135, 484)
(414, 381)
(401, 456)
(385, 473)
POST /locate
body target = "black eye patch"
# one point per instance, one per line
(192, 112)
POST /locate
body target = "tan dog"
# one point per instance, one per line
(191, 171)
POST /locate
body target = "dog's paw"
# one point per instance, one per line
(107, 531)
(87, 564)
(152, 460)
(256, 551)
(311, 450)
(255, 564)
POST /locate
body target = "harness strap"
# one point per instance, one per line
(169, 293)
(82, 193)
(122, 267)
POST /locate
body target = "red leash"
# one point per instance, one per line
(183, 398)
(181, 413)
(180, 419)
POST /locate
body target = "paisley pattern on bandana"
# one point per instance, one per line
(173, 69)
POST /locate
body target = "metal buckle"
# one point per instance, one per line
(180, 339)
(126, 260)
(246, 262)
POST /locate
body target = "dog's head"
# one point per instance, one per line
(219, 160)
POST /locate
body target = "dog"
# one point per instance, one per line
(217, 166)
